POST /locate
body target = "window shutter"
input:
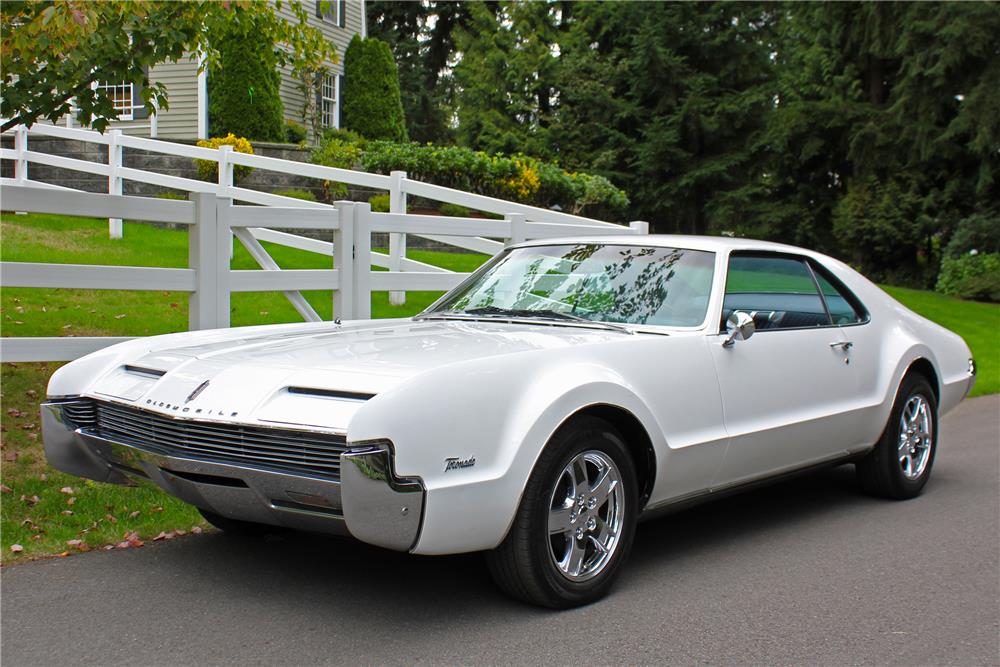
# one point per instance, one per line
(138, 107)
(342, 14)
(340, 98)
(319, 9)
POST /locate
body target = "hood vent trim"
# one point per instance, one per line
(145, 372)
(331, 393)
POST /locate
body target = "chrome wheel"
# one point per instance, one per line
(915, 436)
(586, 515)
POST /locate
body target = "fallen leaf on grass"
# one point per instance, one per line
(14, 412)
(31, 393)
(165, 536)
(64, 554)
(28, 426)
(32, 436)
(67, 326)
(10, 456)
(134, 514)
(196, 530)
(110, 518)
(68, 490)
(118, 317)
(67, 512)
(70, 501)
(4, 488)
(33, 500)
(16, 548)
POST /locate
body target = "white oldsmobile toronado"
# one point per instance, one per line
(565, 390)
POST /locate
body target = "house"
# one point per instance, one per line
(188, 91)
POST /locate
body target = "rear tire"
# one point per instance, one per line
(574, 527)
(238, 527)
(900, 464)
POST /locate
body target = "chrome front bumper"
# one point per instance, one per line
(369, 502)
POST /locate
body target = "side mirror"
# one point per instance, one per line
(739, 326)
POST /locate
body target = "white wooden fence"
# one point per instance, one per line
(213, 222)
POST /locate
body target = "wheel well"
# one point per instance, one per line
(924, 367)
(636, 439)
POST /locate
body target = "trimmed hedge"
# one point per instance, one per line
(245, 98)
(518, 178)
(372, 106)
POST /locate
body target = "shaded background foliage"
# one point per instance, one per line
(866, 130)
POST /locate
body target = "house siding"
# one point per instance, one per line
(292, 97)
(180, 121)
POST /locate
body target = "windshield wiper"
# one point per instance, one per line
(543, 314)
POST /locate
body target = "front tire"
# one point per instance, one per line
(900, 464)
(574, 527)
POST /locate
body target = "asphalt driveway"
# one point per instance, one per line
(806, 572)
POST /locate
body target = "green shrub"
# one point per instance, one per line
(171, 195)
(335, 152)
(380, 203)
(372, 105)
(518, 178)
(971, 276)
(345, 136)
(208, 170)
(295, 133)
(980, 232)
(454, 210)
(294, 193)
(245, 98)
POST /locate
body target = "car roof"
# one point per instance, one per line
(709, 243)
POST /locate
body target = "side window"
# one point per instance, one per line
(844, 307)
(778, 292)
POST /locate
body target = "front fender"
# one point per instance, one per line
(501, 415)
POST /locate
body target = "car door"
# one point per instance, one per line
(786, 390)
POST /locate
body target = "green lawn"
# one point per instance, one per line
(47, 512)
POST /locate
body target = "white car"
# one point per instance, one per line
(537, 411)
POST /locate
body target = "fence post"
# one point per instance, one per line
(154, 124)
(639, 227)
(225, 170)
(202, 254)
(115, 230)
(397, 242)
(362, 260)
(518, 227)
(223, 246)
(20, 147)
(343, 261)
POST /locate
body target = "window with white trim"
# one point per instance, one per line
(328, 101)
(121, 95)
(332, 11)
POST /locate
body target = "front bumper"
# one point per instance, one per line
(369, 502)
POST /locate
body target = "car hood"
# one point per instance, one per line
(312, 374)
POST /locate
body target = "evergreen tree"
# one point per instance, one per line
(372, 105)
(244, 88)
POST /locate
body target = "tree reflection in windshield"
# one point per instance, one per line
(609, 283)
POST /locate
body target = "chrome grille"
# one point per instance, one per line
(285, 450)
(80, 413)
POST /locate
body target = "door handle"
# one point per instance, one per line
(844, 344)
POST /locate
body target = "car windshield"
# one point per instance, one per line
(590, 281)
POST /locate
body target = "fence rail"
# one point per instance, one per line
(215, 220)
